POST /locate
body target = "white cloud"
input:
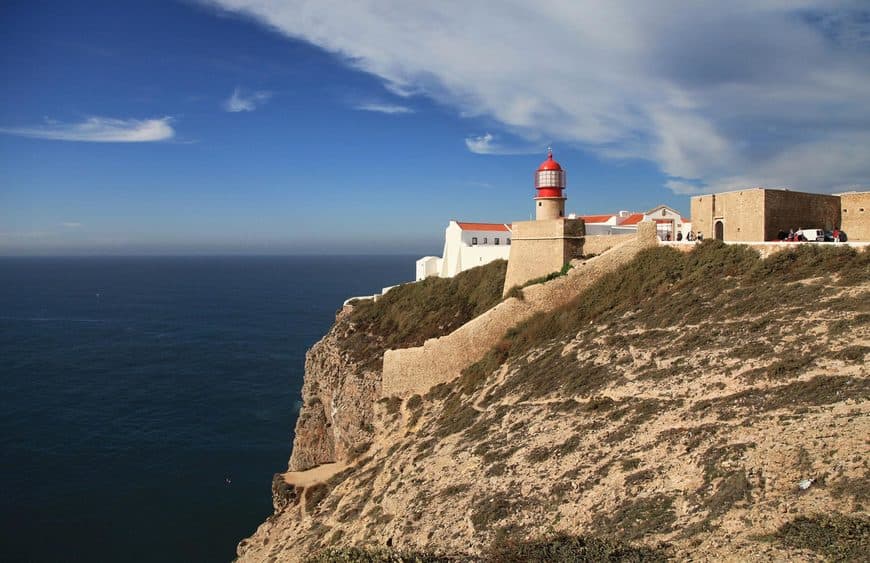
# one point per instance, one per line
(488, 144)
(99, 130)
(755, 91)
(391, 109)
(240, 101)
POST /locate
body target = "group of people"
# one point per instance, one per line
(690, 236)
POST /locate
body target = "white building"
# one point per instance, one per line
(668, 221)
(467, 245)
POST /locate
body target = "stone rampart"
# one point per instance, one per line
(440, 360)
(541, 247)
(598, 244)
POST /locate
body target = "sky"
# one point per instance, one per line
(339, 127)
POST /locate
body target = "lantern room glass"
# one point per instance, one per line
(550, 179)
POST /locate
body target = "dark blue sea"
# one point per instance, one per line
(147, 401)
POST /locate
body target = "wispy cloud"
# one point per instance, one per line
(391, 109)
(755, 91)
(489, 144)
(99, 130)
(684, 188)
(240, 101)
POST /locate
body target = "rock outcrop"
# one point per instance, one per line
(337, 401)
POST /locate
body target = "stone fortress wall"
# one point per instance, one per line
(597, 244)
(541, 247)
(760, 214)
(741, 213)
(784, 210)
(855, 215)
(440, 360)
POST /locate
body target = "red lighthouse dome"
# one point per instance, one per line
(549, 164)
(549, 184)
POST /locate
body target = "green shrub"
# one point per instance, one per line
(409, 314)
(836, 537)
(374, 555)
(576, 549)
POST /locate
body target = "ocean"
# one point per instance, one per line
(147, 401)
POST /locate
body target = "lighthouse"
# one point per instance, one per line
(543, 246)
(549, 188)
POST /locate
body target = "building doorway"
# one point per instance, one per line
(719, 230)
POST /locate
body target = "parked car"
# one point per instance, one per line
(817, 235)
(829, 236)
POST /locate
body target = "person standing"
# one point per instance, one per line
(836, 234)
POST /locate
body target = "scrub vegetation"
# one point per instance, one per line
(410, 314)
(663, 288)
(561, 547)
(672, 410)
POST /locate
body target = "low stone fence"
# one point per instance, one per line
(440, 360)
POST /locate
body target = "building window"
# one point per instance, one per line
(496, 240)
(509, 240)
(473, 241)
(485, 241)
(861, 209)
(539, 204)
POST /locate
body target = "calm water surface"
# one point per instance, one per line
(147, 401)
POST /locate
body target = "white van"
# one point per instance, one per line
(812, 234)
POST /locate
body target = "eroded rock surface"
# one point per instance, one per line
(337, 401)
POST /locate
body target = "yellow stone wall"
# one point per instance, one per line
(539, 248)
(596, 244)
(741, 213)
(785, 209)
(758, 214)
(855, 215)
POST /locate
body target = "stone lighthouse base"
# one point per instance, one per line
(541, 247)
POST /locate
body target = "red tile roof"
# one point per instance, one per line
(632, 219)
(596, 218)
(482, 226)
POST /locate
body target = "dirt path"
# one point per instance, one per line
(314, 475)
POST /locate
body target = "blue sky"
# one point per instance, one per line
(257, 126)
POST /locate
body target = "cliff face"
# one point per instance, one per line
(704, 405)
(343, 370)
(337, 401)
